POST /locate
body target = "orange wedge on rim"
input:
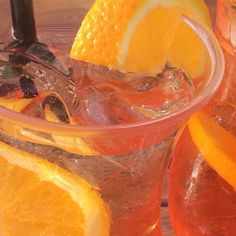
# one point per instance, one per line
(216, 145)
(39, 198)
(142, 35)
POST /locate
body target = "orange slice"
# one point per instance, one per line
(15, 104)
(142, 35)
(216, 145)
(72, 144)
(39, 198)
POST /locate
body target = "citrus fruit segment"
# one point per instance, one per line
(216, 145)
(15, 104)
(72, 144)
(40, 198)
(142, 35)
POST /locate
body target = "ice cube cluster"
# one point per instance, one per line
(84, 94)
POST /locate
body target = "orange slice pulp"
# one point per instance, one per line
(142, 35)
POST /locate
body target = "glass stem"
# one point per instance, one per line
(24, 30)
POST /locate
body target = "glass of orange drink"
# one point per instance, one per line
(91, 109)
(202, 174)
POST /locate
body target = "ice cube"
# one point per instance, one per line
(105, 105)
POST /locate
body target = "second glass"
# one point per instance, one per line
(124, 163)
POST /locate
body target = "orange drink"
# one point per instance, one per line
(89, 115)
(202, 176)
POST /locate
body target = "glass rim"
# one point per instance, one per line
(217, 70)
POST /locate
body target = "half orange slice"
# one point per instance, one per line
(142, 35)
(216, 145)
(39, 198)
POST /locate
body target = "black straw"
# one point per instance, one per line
(24, 30)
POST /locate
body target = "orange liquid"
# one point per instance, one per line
(202, 202)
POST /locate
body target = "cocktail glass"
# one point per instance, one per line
(124, 163)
